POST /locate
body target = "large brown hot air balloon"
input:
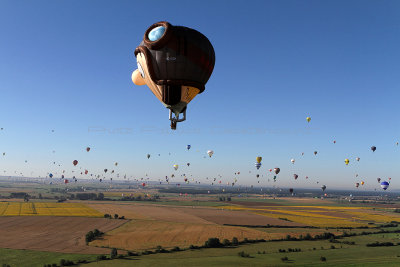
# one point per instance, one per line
(175, 62)
(75, 162)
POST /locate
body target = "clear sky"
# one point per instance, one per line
(66, 66)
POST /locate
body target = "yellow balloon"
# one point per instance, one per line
(259, 159)
(308, 119)
(347, 161)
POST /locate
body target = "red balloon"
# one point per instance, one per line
(75, 162)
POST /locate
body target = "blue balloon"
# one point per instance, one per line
(384, 185)
(188, 147)
(258, 165)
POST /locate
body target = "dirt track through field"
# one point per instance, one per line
(56, 234)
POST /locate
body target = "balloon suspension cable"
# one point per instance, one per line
(175, 119)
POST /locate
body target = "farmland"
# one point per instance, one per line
(47, 209)
(57, 230)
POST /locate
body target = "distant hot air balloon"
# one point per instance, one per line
(358, 159)
(334, 141)
(323, 187)
(292, 160)
(257, 175)
(362, 182)
(378, 179)
(277, 170)
(75, 162)
(258, 165)
(258, 159)
(176, 167)
(105, 170)
(309, 119)
(62, 176)
(384, 185)
(148, 156)
(346, 161)
(143, 184)
(357, 185)
(66, 181)
(210, 153)
(295, 176)
(188, 147)
(116, 163)
(86, 171)
(373, 148)
(291, 190)
(315, 152)
(188, 164)
(50, 175)
(88, 149)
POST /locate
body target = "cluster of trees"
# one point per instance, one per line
(116, 216)
(290, 250)
(380, 244)
(87, 196)
(224, 199)
(92, 235)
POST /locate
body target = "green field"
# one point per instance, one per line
(32, 258)
(343, 255)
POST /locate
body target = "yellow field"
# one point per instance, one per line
(321, 216)
(47, 209)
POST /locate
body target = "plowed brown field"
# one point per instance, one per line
(57, 234)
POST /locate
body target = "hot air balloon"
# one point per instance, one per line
(258, 165)
(66, 181)
(378, 179)
(210, 153)
(188, 147)
(143, 184)
(116, 163)
(384, 185)
(175, 62)
(373, 148)
(346, 161)
(62, 176)
(88, 149)
(334, 141)
(358, 159)
(315, 152)
(75, 162)
(323, 187)
(292, 160)
(295, 176)
(86, 171)
(105, 170)
(291, 190)
(148, 156)
(277, 170)
(258, 159)
(362, 182)
(176, 167)
(257, 175)
(188, 164)
(309, 119)
(50, 175)
(357, 185)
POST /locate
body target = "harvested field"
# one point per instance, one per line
(148, 234)
(202, 215)
(56, 234)
(47, 209)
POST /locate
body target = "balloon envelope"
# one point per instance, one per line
(384, 185)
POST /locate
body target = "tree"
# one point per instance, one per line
(100, 196)
(235, 241)
(213, 242)
(115, 216)
(89, 237)
(114, 253)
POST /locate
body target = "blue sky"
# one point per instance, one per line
(66, 66)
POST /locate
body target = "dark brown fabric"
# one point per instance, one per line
(182, 56)
(171, 94)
